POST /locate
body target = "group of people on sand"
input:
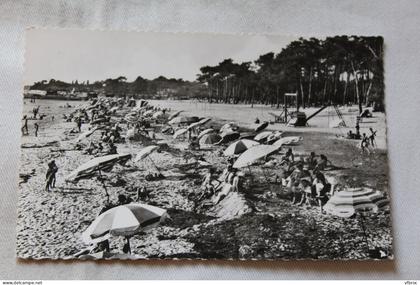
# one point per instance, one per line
(216, 189)
(305, 179)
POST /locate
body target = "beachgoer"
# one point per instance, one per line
(112, 148)
(372, 137)
(52, 118)
(36, 129)
(323, 162)
(312, 160)
(25, 125)
(364, 144)
(123, 200)
(50, 176)
(288, 157)
(79, 124)
(257, 120)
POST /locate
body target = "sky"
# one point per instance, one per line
(82, 55)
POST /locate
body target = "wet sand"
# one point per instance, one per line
(258, 223)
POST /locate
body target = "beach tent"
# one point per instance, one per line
(239, 147)
(206, 131)
(261, 127)
(209, 139)
(253, 154)
(125, 220)
(262, 136)
(89, 168)
(292, 140)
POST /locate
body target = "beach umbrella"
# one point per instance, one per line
(183, 120)
(86, 134)
(147, 113)
(355, 200)
(209, 139)
(239, 147)
(274, 136)
(261, 127)
(96, 165)
(145, 152)
(229, 136)
(247, 135)
(174, 115)
(158, 114)
(179, 132)
(206, 131)
(262, 136)
(360, 201)
(89, 168)
(252, 154)
(229, 126)
(114, 109)
(125, 220)
(287, 141)
(199, 123)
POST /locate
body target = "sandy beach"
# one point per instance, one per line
(259, 222)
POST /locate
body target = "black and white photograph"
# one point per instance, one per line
(146, 145)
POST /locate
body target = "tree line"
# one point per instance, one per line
(337, 70)
(120, 87)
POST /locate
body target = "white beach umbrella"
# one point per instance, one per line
(125, 220)
(145, 152)
(262, 136)
(292, 140)
(179, 132)
(89, 168)
(253, 154)
(206, 131)
(174, 115)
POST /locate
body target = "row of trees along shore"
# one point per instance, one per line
(337, 70)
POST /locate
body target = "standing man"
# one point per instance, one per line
(79, 124)
(372, 137)
(36, 129)
(25, 125)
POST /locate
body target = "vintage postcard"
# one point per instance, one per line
(141, 145)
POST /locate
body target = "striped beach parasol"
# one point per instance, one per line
(356, 200)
